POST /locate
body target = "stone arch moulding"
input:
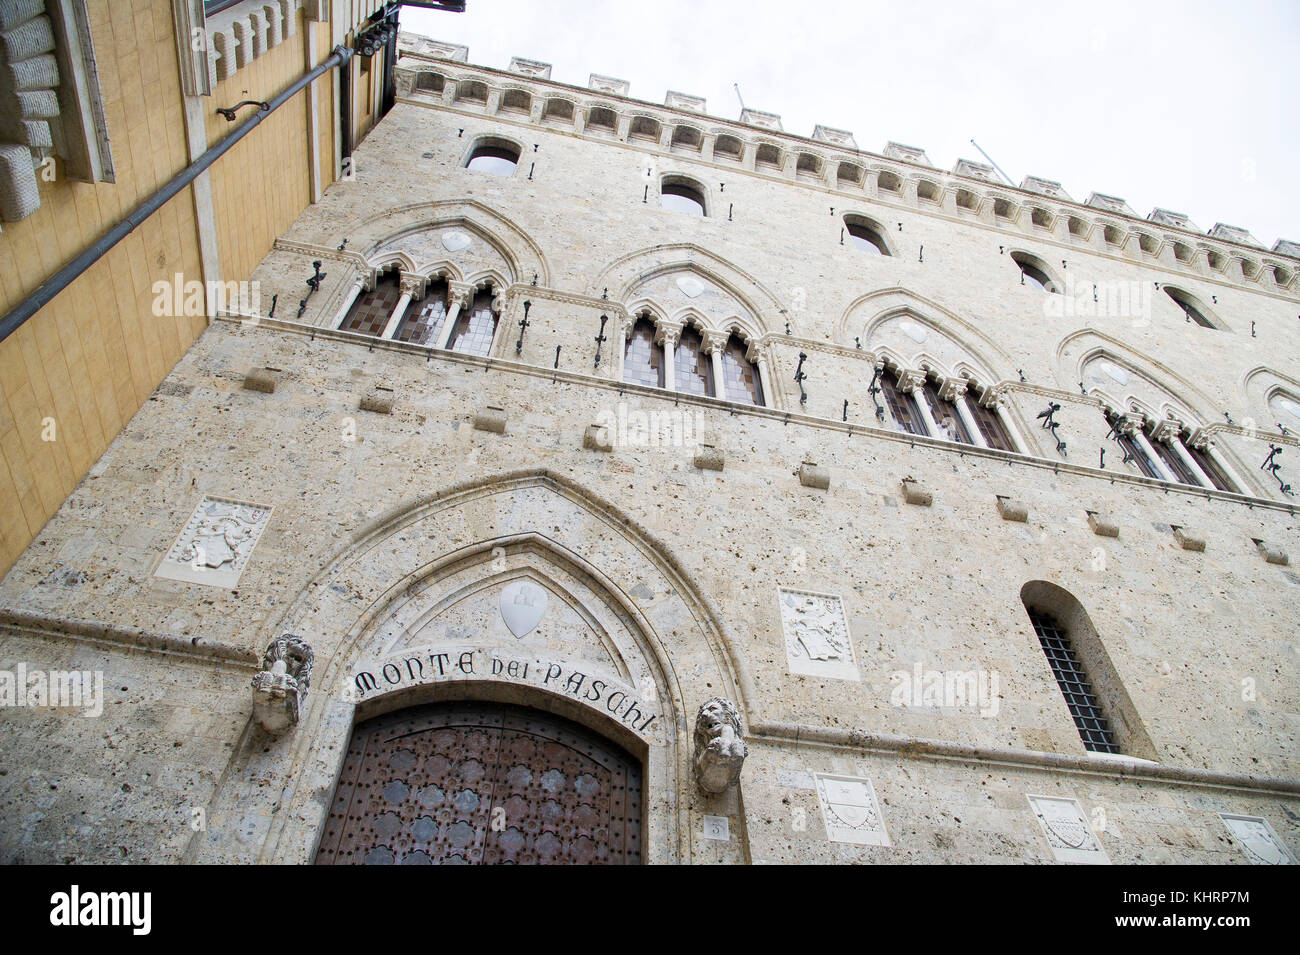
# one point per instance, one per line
(1269, 396)
(522, 255)
(1078, 349)
(624, 276)
(404, 614)
(869, 313)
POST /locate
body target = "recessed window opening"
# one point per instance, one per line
(494, 156)
(680, 195)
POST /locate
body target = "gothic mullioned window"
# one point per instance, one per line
(643, 360)
(1211, 469)
(475, 327)
(370, 312)
(421, 324)
(991, 428)
(741, 379)
(1134, 452)
(902, 406)
(693, 369)
(945, 414)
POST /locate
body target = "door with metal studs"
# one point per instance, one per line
(482, 784)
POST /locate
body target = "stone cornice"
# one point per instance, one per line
(912, 747)
(50, 626)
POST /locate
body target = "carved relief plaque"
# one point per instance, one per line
(1257, 840)
(850, 810)
(817, 641)
(216, 544)
(1068, 832)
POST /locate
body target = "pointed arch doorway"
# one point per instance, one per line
(482, 783)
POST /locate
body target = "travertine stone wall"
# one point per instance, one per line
(388, 530)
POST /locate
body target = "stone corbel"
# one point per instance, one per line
(280, 689)
(720, 748)
(714, 341)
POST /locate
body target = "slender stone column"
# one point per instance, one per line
(954, 390)
(348, 301)
(666, 334)
(759, 356)
(411, 285)
(1140, 436)
(714, 343)
(910, 382)
(461, 295)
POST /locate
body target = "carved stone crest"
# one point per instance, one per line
(850, 811)
(720, 750)
(216, 543)
(281, 686)
(1068, 831)
(817, 639)
(1257, 840)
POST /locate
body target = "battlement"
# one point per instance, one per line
(1225, 251)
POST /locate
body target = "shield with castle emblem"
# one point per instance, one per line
(522, 605)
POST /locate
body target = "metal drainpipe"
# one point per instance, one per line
(61, 279)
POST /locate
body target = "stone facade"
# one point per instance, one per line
(528, 527)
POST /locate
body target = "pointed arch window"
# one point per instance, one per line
(693, 369)
(422, 325)
(902, 405)
(865, 236)
(370, 312)
(1218, 477)
(990, 426)
(496, 156)
(1134, 453)
(741, 380)
(476, 327)
(1194, 311)
(1033, 272)
(643, 360)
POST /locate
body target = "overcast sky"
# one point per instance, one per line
(1182, 104)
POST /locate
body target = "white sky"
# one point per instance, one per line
(1190, 106)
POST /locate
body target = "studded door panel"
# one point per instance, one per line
(469, 784)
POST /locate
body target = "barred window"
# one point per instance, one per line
(693, 371)
(643, 360)
(741, 379)
(371, 311)
(1094, 727)
(902, 407)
